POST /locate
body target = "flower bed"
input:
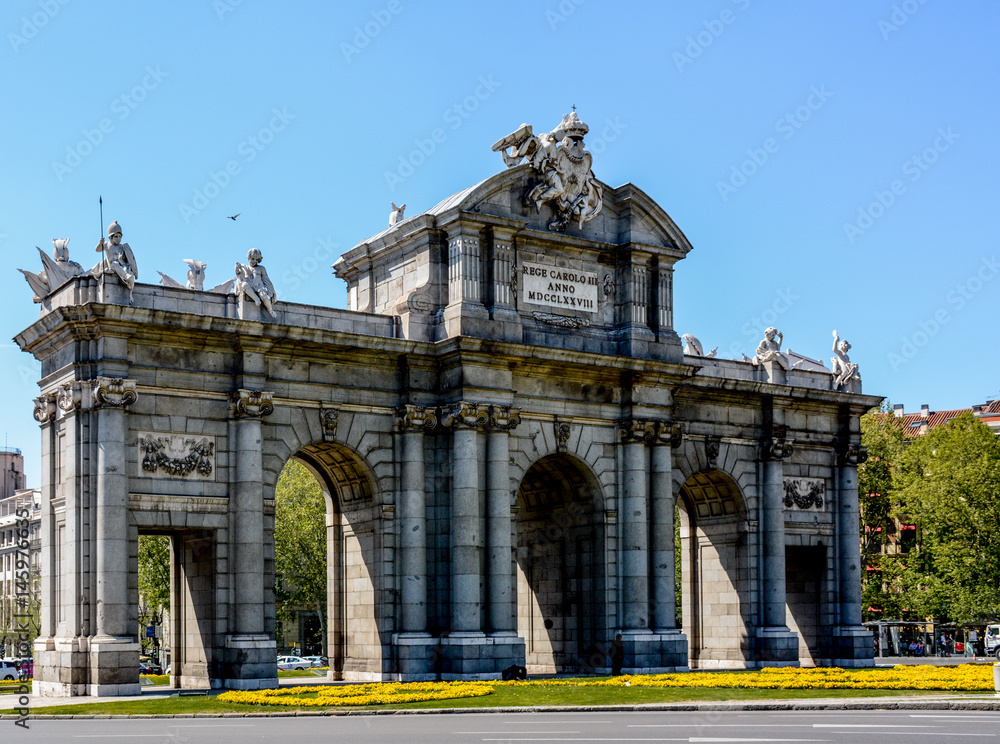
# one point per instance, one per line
(379, 693)
(963, 678)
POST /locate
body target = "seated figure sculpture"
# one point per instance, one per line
(769, 349)
(844, 369)
(252, 281)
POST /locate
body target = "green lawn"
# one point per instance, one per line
(505, 696)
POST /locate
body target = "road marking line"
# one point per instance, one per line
(867, 725)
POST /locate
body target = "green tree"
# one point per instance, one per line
(884, 436)
(154, 582)
(949, 485)
(300, 545)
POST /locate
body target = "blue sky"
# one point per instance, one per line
(835, 165)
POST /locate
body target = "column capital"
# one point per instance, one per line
(113, 391)
(852, 455)
(504, 418)
(252, 404)
(69, 397)
(45, 408)
(416, 418)
(637, 430)
(465, 415)
(669, 432)
(777, 446)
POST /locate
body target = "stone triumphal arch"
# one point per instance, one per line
(507, 429)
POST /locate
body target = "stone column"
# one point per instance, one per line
(249, 652)
(852, 641)
(773, 529)
(413, 422)
(662, 527)
(635, 434)
(502, 605)
(466, 420)
(111, 397)
(778, 644)
(247, 504)
(114, 649)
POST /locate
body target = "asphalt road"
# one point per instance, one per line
(856, 727)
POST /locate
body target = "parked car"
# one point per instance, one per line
(149, 667)
(317, 661)
(286, 663)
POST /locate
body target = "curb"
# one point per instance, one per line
(794, 705)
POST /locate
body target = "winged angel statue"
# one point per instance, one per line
(563, 166)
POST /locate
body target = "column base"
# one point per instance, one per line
(778, 646)
(416, 655)
(851, 646)
(249, 662)
(474, 656)
(654, 651)
(60, 666)
(114, 666)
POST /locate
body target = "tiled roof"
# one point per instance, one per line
(916, 423)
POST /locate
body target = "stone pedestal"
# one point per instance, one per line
(478, 656)
(654, 652)
(417, 657)
(852, 647)
(60, 667)
(249, 662)
(114, 666)
(778, 646)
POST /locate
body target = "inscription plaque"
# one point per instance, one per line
(555, 286)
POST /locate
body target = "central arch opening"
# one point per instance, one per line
(560, 578)
(714, 574)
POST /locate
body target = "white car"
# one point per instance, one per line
(286, 663)
(8, 670)
(316, 661)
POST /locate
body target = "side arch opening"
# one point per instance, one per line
(560, 568)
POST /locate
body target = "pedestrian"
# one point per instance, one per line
(617, 654)
(943, 645)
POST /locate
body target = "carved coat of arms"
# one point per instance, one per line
(565, 180)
